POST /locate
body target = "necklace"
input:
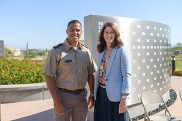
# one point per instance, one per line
(107, 54)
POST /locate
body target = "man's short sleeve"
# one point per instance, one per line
(50, 66)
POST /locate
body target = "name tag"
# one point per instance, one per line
(68, 61)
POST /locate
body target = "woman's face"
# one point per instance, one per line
(109, 35)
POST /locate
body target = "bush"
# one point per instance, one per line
(177, 72)
(178, 62)
(8, 52)
(26, 71)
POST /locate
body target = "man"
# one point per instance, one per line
(67, 69)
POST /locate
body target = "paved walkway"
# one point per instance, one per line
(43, 111)
(176, 108)
(27, 111)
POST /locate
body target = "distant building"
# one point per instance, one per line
(1, 48)
(16, 52)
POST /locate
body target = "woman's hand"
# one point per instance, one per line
(122, 106)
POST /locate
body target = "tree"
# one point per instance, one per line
(8, 52)
(177, 47)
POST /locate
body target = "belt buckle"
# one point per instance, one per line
(103, 86)
(79, 91)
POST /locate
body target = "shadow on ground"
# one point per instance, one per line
(47, 115)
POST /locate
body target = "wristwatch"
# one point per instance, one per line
(92, 95)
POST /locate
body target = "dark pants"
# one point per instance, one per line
(75, 106)
(105, 110)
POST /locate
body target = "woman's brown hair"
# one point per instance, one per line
(101, 41)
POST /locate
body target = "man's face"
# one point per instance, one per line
(74, 32)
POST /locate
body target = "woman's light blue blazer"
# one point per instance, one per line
(118, 74)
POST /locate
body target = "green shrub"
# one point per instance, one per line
(26, 71)
(177, 72)
(8, 52)
(178, 62)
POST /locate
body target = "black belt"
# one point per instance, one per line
(71, 91)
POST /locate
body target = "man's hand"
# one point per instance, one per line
(58, 107)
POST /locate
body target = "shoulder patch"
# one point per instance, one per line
(84, 45)
(56, 46)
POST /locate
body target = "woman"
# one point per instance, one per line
(113, 77)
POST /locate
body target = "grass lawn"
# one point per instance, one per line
(178, 62)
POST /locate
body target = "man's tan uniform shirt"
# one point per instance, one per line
(69, 66)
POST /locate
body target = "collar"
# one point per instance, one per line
(68, 46)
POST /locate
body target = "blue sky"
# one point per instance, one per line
(42, 23)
